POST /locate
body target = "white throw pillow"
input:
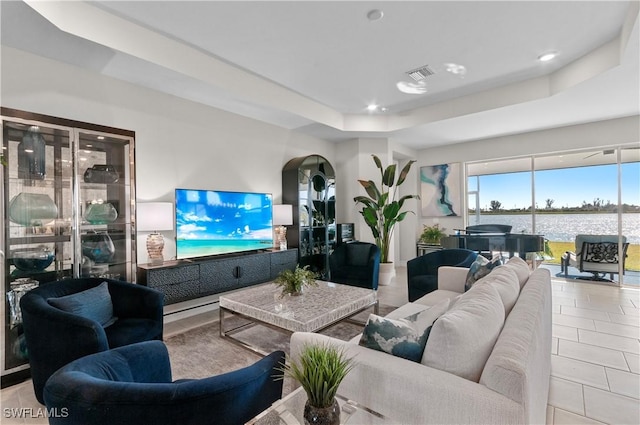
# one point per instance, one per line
(521, 268)
(462, 339)
(505, 280)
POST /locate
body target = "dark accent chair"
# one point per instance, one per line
(132, 385)
(55, 337)
(355, 264)
(488, 228)
(422, 272)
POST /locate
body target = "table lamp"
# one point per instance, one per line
(282, 216)
(154, 217)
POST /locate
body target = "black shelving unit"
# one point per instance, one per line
(309, 185)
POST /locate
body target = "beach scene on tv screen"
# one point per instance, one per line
(216, 222)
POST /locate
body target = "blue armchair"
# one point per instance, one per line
(56, 336)
(132, 385)
(422, 272)
(355, 264)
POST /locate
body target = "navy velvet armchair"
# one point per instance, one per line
(355, 264)
(56, 337)
(132, 385)
(422, 272)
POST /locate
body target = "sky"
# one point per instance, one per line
(568, 187)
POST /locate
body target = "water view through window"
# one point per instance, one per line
(561, 196)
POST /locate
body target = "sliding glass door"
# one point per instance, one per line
(561, 196)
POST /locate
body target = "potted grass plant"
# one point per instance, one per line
(382, 210)
(320, 369)
(292, 282)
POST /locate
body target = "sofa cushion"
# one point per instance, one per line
(433, 298)
(461, 340)
(479, 269)
(521, 268)
(404, 338)
(505, 280)
(94, 303)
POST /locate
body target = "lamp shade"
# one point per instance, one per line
(282, 215)
(155, 216)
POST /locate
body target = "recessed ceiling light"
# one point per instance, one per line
(375, 15)
(100, 137)
(418, 87)
(454, 68)
(545, 57)
(372, 107)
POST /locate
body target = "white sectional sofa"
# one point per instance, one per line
(481, 364)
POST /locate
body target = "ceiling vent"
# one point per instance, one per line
(421, 73)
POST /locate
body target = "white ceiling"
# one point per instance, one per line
(314, 66)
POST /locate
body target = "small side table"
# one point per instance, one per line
(425, 248)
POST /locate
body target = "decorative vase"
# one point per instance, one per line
(98, 247)
(101, 173)
(31, 155)
(101, 213)
(32, 209)
(386, 274)
(19, 287)
(33, 259)
(322, 415)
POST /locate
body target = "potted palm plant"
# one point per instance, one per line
(382, 210)
(320, 369)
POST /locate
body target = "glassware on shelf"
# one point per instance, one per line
(33, 259)
(19, 287)
(98, 247)
(100, 212)
(101, 173)
(31, 155)
(32, 209)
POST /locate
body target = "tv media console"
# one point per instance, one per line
(187, 280)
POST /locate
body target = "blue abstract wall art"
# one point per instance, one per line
(440, 190)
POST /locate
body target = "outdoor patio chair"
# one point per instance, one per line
(596, 254)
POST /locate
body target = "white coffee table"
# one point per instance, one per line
(316, 309)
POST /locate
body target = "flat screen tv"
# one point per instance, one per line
(210, 222)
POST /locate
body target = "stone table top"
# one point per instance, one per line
(317, 308)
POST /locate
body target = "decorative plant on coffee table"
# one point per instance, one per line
(293, 281)
(320, 370)
(381, 209)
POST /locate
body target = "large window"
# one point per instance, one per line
(560, 196)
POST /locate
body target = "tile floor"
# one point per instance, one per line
(595, 359)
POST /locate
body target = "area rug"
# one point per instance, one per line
(201, 352)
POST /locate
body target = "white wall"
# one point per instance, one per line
(179, 144)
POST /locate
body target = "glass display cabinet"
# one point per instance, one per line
(309, 184)
(68, 202)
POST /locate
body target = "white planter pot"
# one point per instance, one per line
(386, 274)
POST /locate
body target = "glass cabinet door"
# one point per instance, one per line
(37, 199)
(105, 216)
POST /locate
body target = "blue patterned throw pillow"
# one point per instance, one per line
(479, 269)
(404, 338)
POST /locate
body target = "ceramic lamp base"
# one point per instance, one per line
(281, 238)
(155, 245)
